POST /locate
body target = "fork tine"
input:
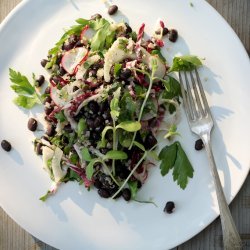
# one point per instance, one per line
(200, 110)
(190, 97)
(184, 97)
(203, 96)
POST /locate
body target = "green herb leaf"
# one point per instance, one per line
(90, 169)
(60, 116)
(127, 107)
(117, 69)
(116, 155)
(74, 158)
(133, 188)
(81, 126)
(104, 35)
(129, 126)
(182, 168)
(158, 52)
(125, 138)
(105, 130)
(173, 156)
(139, 145)
(168, 158)
(27, 96)
(185, 63)
(172, 88)
(45, 197)
(171, 132)
(86, 155)
(25, 101)
(21, 84)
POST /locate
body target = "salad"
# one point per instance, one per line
(110, 92)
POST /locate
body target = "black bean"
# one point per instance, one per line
(47, 99)
(125, 74)
(104, 106)
(96, 16)
(79, 44)
(99, 129)
(128, 28)
(48, 110)
(104, 193)
(172, 35)
(90, 122)
(107, 181)
(45, 138)
(97, 184)
(50, 130)
(199, 144)
(93, 106)
(62, 71)
(40, 81)
(44, 62)
(95, 136)
(113, 191)
(98, 121)
(150, 141)
(139, 184)
(68, 128)
(126, 194)
(39, 148)
(169, 207)
(112, 9)
(32, 124)
(68, 46)
(59, 59)
(47, 90)
(165, 31)
(6, 145)
(75, 88)
(73, 39)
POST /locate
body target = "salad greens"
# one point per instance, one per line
(109, 93)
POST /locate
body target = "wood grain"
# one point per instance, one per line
(236, 12)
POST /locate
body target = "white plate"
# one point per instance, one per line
(77, 219)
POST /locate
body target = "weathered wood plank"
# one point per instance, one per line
(236, 12)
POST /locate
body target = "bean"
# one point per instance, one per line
(169, 207)
(50, 130)
(96, 16)
(126, 194)
(47, 91)
(62, 71)
(90, 122)
(6, 145)
(48, 110)
(40, 81)
(199, 145)
(93, 106)
(32, 124)
(97, 184)
(39, 148)
(150, 141)
(104, 193)
(172, 35)
(125, 74)
(75, 88)
(68, 128)
(112, 9)
(99, 121)
(165, 31)
(128, 28)
(44, 62)
(47, 99)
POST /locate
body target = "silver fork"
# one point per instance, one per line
(201, 123)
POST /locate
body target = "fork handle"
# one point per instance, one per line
(231, 237)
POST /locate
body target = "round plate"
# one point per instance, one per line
(76, 218)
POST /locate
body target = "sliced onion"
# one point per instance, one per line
(73, 58)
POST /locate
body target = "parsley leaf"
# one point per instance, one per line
(173, 156)
(27, 96)
(133, 188)
(60, 116)
(104, 35)
(185, 63)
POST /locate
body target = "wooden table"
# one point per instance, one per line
(237, 13)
